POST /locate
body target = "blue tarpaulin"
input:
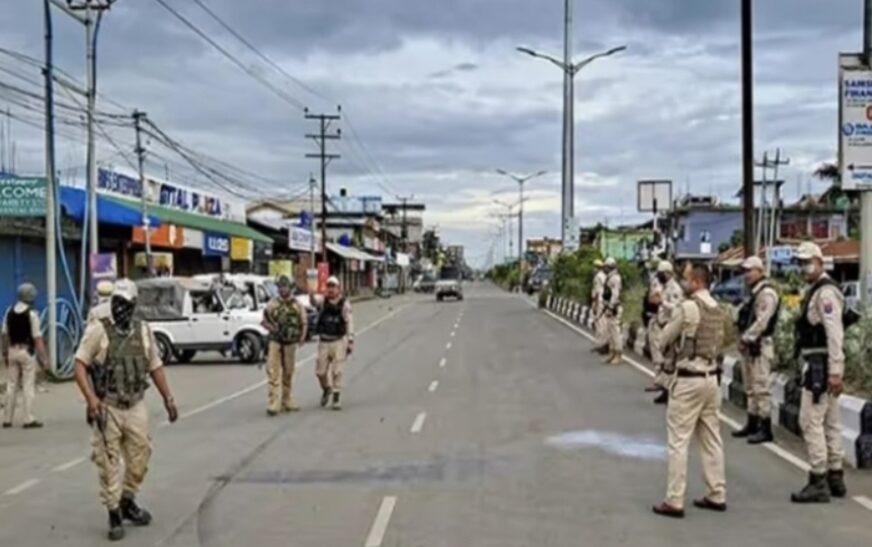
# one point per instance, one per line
(108, 211)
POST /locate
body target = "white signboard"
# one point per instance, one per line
(300, 239)
(572, 234)
(855, 133)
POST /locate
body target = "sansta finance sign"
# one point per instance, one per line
(856, 129)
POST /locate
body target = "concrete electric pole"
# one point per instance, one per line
(143, 191)
(321, 138)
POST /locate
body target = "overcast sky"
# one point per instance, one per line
(439, 97)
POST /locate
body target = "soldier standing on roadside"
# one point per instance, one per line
(613, 312)
(757, 320)
(672, 297)
(597, 308)
(285, 320)
(23, 348)
(114, 359)
(819, 338)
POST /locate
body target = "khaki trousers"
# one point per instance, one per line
(613, 331)
(281, 362)
(331, 362)
(693, 412)
(821, 426)
(756, 373)
(21, 377)
(125, 441)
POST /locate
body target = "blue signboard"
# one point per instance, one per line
(216, 244)
(118, 183)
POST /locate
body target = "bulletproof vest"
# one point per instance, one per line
(810, 336)
(126, 368)
(649, 310)
(607, 289)
(288, 322)
(18, 328)
(331, 322)
(706, 343)
(748, 312)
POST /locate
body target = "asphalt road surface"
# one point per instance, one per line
(476, 423)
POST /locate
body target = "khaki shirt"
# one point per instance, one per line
(35, 328)
(102, 310)
(613, 281)
(599, 283)
(827, 306)
(765, 306)
(95, 345)
(673, 296)
(683, 324)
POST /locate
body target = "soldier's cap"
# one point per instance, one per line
(610, 262)
(753, 263)
(283, 281)
(808, 250)
(27, 293)
(665, 267)
(105, 288)
(598, 263)
(332, 281)
(126, 289)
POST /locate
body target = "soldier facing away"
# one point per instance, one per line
(22, 345)
(285, 320)
(116, 356)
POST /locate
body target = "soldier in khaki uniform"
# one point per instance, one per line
(613, 311)
(757, 321)
(116, 356)
(22, 345)
(819, 338)
(671, 299)
(597, 307)
(336, 332)
(697, 330)
(285, 320)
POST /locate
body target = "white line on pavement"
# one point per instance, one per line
(864, 501)
(453, 333)
(433, 385)
(448, 345)
(418, 425)
(21, 487)
(69, 465)
(380, 524)
(442, 362)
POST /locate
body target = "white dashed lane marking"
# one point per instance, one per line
(380, 524)
(442, 363)
(21, 487)
(433, 385)
(418, 424)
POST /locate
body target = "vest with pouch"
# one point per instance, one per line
(125, 372)
(288, 323)
(748, 312)
(331, 322)
(708, 340)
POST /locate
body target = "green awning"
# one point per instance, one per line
(197, 222)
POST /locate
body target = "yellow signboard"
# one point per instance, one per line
(241, 249)
(281, 267)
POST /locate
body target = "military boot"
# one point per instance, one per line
(617, 358)
(816, 491)
(750, 427)
(134, 513)
(763, 433)
(836, 482)
(663, 398)
(337, 404)
(325, 396)
(116, 525)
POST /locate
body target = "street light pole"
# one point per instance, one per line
(521, 180)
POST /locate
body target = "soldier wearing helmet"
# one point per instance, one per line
(22, 345)
(285, 320)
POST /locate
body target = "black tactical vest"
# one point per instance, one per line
(810, 336)
(748, 312)
(331, 322)
(18, 328)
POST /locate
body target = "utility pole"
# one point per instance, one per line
(748, 124)
(50, 196)
(766, 225)
(321, 138)
(404, 231)
(312, 184)
(143, 190)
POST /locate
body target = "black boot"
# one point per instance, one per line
(763, 433)
(116, 525)
(325, 396)
(337, 404)
(816, 491)
(134, 513)
(750, 427)
(836, 482)
(663, 398)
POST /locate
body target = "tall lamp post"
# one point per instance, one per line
(521, 180)
(569, 69)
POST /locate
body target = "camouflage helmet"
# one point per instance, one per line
(283, 281)
(27, 293)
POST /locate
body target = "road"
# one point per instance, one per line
(480, 423)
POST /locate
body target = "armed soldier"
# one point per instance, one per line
(116, 356)
(697, 331)
(819, 338)
(22, 345)
(285, 320)
(757, 320)
(613, 311)
(597, 307)
(336, 332)
(672, 297)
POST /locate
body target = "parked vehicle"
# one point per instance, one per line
(732, 291)
(425, 284)
(190, 315)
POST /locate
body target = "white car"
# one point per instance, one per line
(449, 287)
(190, 315)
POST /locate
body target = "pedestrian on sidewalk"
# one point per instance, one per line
(22, 345)
(820, 332)
(697, 332)
(601, 345)
(285, 320)
(613, 312)
(672, 295)
(114, 360)
(757, 320)
(336, 331)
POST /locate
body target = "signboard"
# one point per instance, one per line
(241, 249)
(163, 262)
(300, 239)
(281, 267)
(572, 234)
(216, 244)
(104, 267)
(192, 239)
(781, 255)
(22, 197)
(855, 123)
(653, 196)
(323, 275)
(166, 235)
(118, 183)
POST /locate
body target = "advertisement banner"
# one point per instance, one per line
(281, 267)
(104, 267)
(216, 244)
(323, 275)
(167, 235)
(300, 239)
(855, 132)
(192, 239)
(22, 197)
(241, 249)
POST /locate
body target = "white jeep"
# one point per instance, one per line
(190, 315)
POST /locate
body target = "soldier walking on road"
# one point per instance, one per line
(819, 338)
(697, 330)
(757, 320)
(116, 356)
(336, 331)
(22, 345)
(672, 297)
(613, 311)
(597, 308)
(285, 320)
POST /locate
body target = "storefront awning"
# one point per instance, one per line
(352, 253)
(198, 222)
(109, 211)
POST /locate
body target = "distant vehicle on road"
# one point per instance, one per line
(538, 280)
(449, 288)
(425, 284)
(732, 291)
